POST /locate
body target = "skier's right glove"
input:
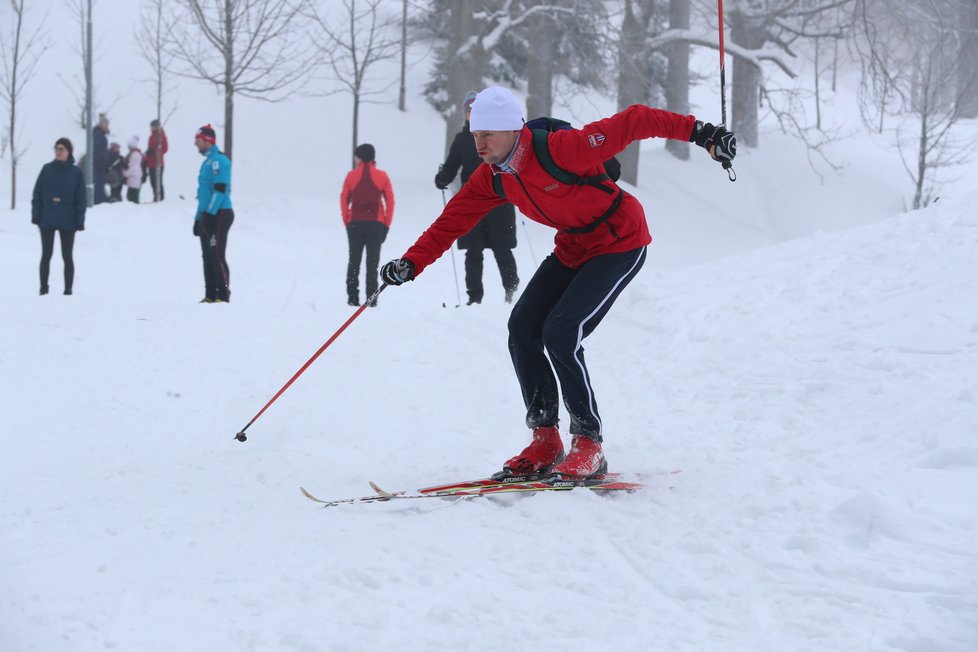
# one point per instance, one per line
(720, 143)
(397, 272)
(197, 228)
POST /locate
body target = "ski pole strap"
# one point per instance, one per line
(731, 173)
(600, 219)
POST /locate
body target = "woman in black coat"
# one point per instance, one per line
(58, 206)
(496, 231)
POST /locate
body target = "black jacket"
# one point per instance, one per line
(497, 230)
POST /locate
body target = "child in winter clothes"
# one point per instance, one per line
(114, 175)
(133, 170)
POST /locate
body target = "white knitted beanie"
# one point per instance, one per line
(495, 109)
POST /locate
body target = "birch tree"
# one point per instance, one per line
(21, 48)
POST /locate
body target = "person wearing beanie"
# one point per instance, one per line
(600, 246)
(367, 208)
(214, 215)
(133, 171)
(58, 207)
(155, 149)
(496, 231)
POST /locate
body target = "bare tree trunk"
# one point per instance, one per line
(402, 91)
(540, 67)
(677, 74)
(228, 79)
(747, 32)
(13, 155)
(466, 70)
(968, 61)
(632, 85)
(818, 97)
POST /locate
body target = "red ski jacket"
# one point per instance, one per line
(367, 196)
(564, 207)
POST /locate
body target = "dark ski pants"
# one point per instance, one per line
(363, 235)
(473, 271)
(47, 251)
(558, 309)
(213, 244)
(156, 183)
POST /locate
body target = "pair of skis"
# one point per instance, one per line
(498, 484)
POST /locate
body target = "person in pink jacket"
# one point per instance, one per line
(132, 170)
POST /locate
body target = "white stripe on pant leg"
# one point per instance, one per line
(580, 339)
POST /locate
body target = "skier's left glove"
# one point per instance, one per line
(720, 143)
(397, 272)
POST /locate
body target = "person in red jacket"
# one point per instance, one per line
(600, 246)
(367, 205)
(155, 150)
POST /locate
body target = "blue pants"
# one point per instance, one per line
(558, 309)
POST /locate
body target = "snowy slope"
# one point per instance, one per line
(803, 352)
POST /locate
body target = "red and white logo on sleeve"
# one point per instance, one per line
(596, 140)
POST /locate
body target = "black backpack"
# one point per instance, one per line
(541, 128)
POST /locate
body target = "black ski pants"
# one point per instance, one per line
(156, 183)
(47, 251)
(213, 244)
(558, 309)
(363, 235)
(473, 271)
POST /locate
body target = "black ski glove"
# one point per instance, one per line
(440, 182)
(197, 228)
(720, 143)
(397, 272)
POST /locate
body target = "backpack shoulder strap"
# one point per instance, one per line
(542, 151)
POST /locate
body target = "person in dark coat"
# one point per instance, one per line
(496, 231)
(100, 156)
(58, 206)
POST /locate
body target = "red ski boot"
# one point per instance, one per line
(544, 451)
(585, 459)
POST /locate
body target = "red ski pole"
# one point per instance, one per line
(241, 436)
(727, 165)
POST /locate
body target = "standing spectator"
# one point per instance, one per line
(100, 156)
(133, 170)
(114, 174)
(155, 149)
(496, 231)
(58, 206)
(367, 205)
(214, 215)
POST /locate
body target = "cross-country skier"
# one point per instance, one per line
(600, 246)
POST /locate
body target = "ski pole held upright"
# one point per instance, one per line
(727, 165)
(240, 436)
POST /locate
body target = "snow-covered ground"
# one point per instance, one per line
(804, 353)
